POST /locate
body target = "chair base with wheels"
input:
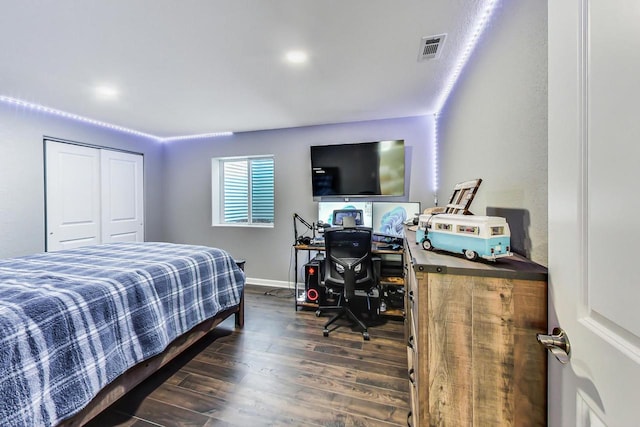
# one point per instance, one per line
(343, 312)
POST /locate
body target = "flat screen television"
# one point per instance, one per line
(358, 170)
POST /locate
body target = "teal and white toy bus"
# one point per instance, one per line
(474, 236)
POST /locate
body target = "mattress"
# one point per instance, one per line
(72, 321)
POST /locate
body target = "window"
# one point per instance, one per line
(444, 227)
(495, 231)
(243, 191)
(468, 229)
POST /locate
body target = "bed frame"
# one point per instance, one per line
(138, 373)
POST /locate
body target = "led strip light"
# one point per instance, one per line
(436, 175)
(202, 135)
(481, 24)
(54, 112)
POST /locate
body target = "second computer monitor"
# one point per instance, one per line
(389, 217)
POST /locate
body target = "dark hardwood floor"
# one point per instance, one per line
(278, 370)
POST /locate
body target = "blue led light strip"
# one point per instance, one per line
(54, 112)
(480, 26)
(482, 20)
(436, 175)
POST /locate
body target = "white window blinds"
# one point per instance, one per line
(246, 190)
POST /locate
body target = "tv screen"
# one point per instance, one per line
(389, 217)
(361, 169)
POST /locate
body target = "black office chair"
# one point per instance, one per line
(348, 267)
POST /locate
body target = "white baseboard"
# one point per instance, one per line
(272, 283)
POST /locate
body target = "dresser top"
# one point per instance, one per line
(512, 267)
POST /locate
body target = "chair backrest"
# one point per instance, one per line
(348, 259)
(354, 216)
(348, 221)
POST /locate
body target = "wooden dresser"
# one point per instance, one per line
(471, 340)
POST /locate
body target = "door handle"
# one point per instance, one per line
(557, 343)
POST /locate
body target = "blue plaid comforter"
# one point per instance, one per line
(74, 320)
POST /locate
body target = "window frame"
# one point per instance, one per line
(217, 192)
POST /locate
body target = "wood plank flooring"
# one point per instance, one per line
(277, 371)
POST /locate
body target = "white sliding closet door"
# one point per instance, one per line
(72, 196)
(122, 198)
(93, 196)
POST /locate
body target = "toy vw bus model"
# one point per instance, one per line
(474, 236)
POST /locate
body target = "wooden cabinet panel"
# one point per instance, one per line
(449, 349)
(475, 356)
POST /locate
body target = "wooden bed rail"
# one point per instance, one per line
(138, 373)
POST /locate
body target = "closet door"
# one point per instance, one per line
(72, 196)
(93, 196)
(122, 197)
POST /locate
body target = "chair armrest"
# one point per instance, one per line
(322, 263)
(377, 262)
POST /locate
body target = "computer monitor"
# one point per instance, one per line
(340, 214)
(389, 217)
(325, 211)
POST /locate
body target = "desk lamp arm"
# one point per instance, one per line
(305, 223)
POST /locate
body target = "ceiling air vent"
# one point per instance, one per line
(430, 47)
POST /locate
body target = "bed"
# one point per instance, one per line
(81, 327)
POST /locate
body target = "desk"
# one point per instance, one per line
(391, 276)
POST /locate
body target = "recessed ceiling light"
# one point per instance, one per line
(296, 56)
(106, 92)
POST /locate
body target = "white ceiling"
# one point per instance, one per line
(200, 66)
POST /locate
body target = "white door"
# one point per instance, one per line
(122, 197)
(93, 196)
(72, 195)
(594, 210)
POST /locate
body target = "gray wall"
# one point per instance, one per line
(22, 174)
(268, 251)
(494, 125)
